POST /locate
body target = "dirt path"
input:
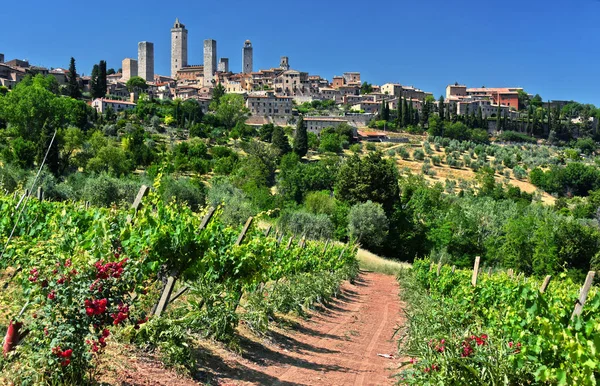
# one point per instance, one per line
(336, 346)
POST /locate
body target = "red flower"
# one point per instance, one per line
(51, 295)
(105, 333)
(61, 280)
(65, 363)
(67, 353)
(68, 263)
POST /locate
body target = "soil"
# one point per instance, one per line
(337, 345)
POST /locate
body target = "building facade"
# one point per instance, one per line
(210, 61)
(179, 47)
(247, 57)
(317, 124)
(102, 105)
(146, 61)
(269, 104)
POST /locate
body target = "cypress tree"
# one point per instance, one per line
(102, 84)
(447, 117)
(404, 113)
(399, 110)
(411, 113)
(73, 85)
(480, 118)
(424, 113)
(301, 139)
(441, 106)
(280, 141)
(416, 121)
(94, 82)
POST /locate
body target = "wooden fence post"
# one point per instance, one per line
(40, 193)
(280, 238)
(431, 266)
(439, 267)
(453, 268)
(589, 280)
(289, 244)
(343, 252)
(490, 271)
(207, 217)
(475, 271)
(302, 242)
(87, 205)
(545, 284)
(510, 273)
(268, 231)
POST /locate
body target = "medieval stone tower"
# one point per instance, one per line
(247, 57)
(210, 61)
(284, 64)
(179, 48)
(146, 61)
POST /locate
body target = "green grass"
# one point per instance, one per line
(371, 262)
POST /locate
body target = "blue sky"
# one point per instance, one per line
(547, 47)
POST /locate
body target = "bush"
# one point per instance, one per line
(513, 136)
(419, 155)
(368, 224)
(370, 146)
(184, 190)
(312, 226)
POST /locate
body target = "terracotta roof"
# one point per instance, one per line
(364, 133)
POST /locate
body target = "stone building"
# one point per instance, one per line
(130, 69)
(292, 82)
(146, 61)
(269, 104)
(179, 47)
(351, 77)
(317, 124)
(210, 61)
(1, 58)
(247, 57)
(223, 65)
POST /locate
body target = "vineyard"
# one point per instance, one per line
(155, 275)
(498, 328)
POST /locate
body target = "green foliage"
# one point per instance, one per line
(372, 178)
(368, 224)
(300, 139)
(136, 84)
(512, 136)
(457, 334)
(330, 142)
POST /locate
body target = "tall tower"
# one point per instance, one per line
(210, 61)
(130, 69)
(223, 65)
(179, 48)
(146, 61)
(247, 57)
(284, 63)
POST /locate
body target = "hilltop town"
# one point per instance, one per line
(278, 94)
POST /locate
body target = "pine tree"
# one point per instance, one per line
(301, 139)
(94, 82)
(441, 106)
(102, 84)
(280, 141)
(73, 85)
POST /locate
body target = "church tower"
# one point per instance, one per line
(247, 57)
(179, 48)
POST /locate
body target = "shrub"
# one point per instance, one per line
(368, 224)
(419, 155)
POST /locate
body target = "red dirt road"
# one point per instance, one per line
(336, 346)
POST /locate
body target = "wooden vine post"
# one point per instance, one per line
(138, 200)
(40, 193)
(326, 245)
(268, 231)
(289, 244)
(165, 297)
(545, 284)
(21, 199)
(453, 268)
(475, 271)
(589, 280)
(280, 238)
(439, 267)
